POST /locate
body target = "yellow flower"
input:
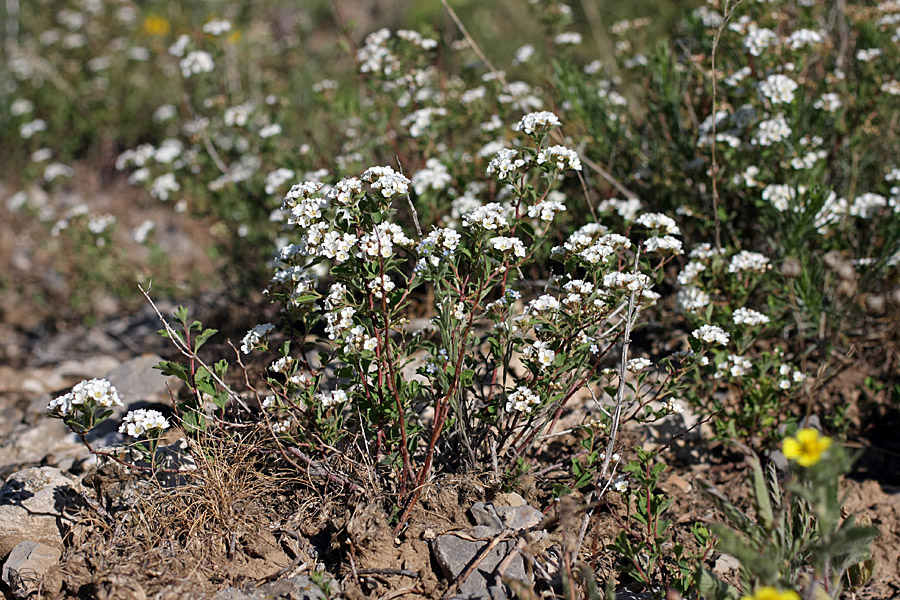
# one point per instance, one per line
(806, 448)
(234, 36)
(770, 593)
(154, 25)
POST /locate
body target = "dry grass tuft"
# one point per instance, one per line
(215, 530)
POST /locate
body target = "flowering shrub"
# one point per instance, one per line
(463, 260)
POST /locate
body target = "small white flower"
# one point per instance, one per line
(505, 162)
(748, 261)
(636, 365)
(522, 400)
(536, 123)
(197, 61)
(509, 244)
(663, 244)
(711, 334)
(559, 157)
(659, 221)
(779, 89)
(139, 422)
(748, 316)
(253, 337)
(217, 27)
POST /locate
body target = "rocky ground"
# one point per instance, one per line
(71, 527)
(62, 533)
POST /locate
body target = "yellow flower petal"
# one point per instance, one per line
(790, 448)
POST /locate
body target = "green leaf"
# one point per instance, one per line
(761, 493)
(203, 337)
(169, 368)
(711, 587)
(204, 382)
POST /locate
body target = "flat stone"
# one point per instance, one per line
(513, 517)
(47, 442)
(455, 553)
(33, 506)
(137, 381)
(26, 567)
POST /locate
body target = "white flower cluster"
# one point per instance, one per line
(338, 322)
(345, 191)
(509, 244)
(522, 400)
(758, 39)
(673, 407)
(489, 217)
(632, 282)
(541, 352)
(381, 285)
(435, 176)
(358, 340)
(255, 336)
(748, 261)
(781, 196)
(734, 365)
(659, 221)
(772, 131)
(164, 186)
(604, 247)
(383, 239)
(690, 272)
(217, 27)
(577, 290)
(665, 244)
(803, 37)
(711, 334)
(567, 37)
(789, 376)
(337, 245)
(867, 205)
(543, 303)
(332, 398)
(536, 123)
(197, 61)
(559, 157)
(692, 299)
(829, 102)
(95, 392)
(627, 209)
(547, 209)
(505, 162)
(437, 245)
(779, 89)
(419, 121)
(385, 179)
(142, 421)
(276, 179)
(748, 316)
(636, 365)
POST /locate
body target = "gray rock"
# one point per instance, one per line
(137, 381)
(291, 588)
(48, 441)
(486, 515)
(34, 505)
(513, 517)
(455, 553)
(87, 368)
(26, 566)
